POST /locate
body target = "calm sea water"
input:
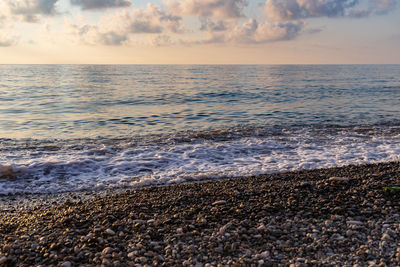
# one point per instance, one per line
(89, 127)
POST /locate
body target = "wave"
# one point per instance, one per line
(53, 166)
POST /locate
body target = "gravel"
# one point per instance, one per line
(328, 217)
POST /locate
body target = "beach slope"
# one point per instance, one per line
(338, 216)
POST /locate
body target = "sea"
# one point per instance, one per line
(69, 128)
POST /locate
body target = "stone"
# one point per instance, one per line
(66, 264)
(107, 250)
(219, 202)
(354, 222)
(3, 260)
(110, 232)
(279, 224)
(339, 179)
(265, 254)
(385, 237)
(138, 221)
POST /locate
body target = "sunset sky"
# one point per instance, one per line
(200, 31)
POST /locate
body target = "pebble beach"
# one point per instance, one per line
(340, 216)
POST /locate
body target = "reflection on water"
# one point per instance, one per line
(74, 101)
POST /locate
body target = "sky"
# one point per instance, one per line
(200, 32)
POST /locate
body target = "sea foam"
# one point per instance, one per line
(60, 166)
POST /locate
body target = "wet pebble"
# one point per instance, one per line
(295, 219)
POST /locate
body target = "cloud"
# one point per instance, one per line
(3, 20)
(161, 40)
(7, 38)
(285, 19)
(118, 28)
(213, 26)
(7, 27)
(382, 7)
(141, 20)
(94, 35)
(278, 31)
(278, 10)
(313, 30)
(112, 38)
(301, 9)
(149, 20)
(32, 9)
(101, 4)
(152, 20)
(378, 7)
(5, 42)
(359, 12)
(207, 8)
(255, 32)
(221, 21)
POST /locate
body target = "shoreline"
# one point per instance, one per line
(45, 200)
(303, 217)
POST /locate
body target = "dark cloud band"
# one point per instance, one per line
(100, 4)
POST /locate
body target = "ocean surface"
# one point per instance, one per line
(91, 127)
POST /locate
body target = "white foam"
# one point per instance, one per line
(73, 167)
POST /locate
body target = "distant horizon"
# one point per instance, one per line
(201, 64)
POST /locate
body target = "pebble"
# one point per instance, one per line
(386, 237)
(106, 261)
(292, 219)
(340, 179)
(110, 232)
(66, 264)
(219, 202)
(354, 222)
(138, 221)
(107, 250)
